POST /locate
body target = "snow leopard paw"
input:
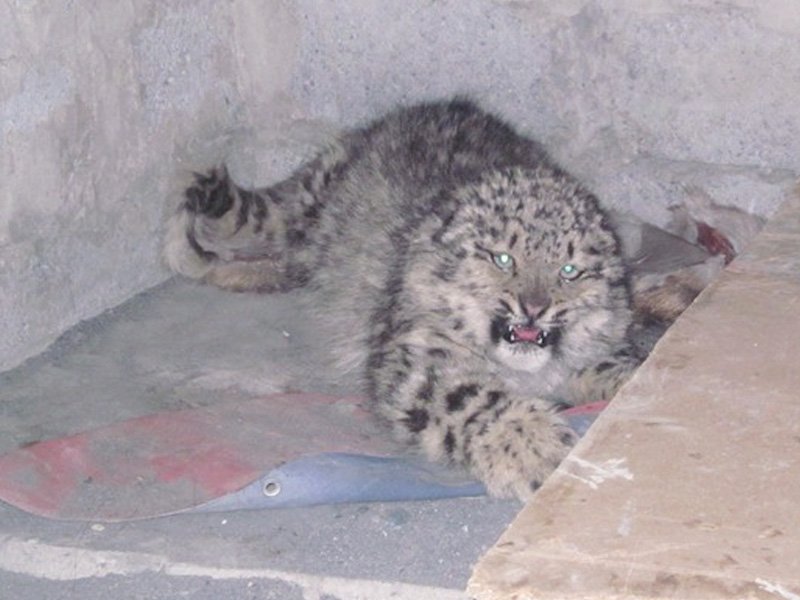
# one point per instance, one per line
(515, 454)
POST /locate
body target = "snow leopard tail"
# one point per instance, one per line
(245, 240)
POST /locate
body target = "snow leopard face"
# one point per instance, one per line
(537, 269)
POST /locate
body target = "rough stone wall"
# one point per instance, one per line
(101, 103)
(639, 97)
(104, 103)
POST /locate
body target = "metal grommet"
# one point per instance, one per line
(272, 488)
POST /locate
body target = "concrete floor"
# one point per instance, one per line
(167, 349)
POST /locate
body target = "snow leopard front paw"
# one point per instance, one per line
(602, 380)
(516, 453)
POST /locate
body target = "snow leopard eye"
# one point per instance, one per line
(569, 272)
(503, 260)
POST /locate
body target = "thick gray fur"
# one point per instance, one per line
(400, 230)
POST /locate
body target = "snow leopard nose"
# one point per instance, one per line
(534, 303)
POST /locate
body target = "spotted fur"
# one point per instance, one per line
(477, 286)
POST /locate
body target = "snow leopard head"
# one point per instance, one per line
(534, 270)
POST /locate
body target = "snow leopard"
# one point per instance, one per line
(478, 287)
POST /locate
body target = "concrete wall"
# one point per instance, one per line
(103, 104)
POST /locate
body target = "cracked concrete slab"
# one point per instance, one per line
(687, 485)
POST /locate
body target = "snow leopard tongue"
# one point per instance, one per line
(528, 333)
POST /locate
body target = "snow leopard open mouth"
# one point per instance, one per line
(526, 333)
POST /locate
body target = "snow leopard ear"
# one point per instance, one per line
(445, 233)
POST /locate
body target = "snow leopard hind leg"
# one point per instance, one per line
(250, 240)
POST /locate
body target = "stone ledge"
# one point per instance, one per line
(687, 486)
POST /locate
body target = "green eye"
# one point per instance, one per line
(569, 272)
(503, 260)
